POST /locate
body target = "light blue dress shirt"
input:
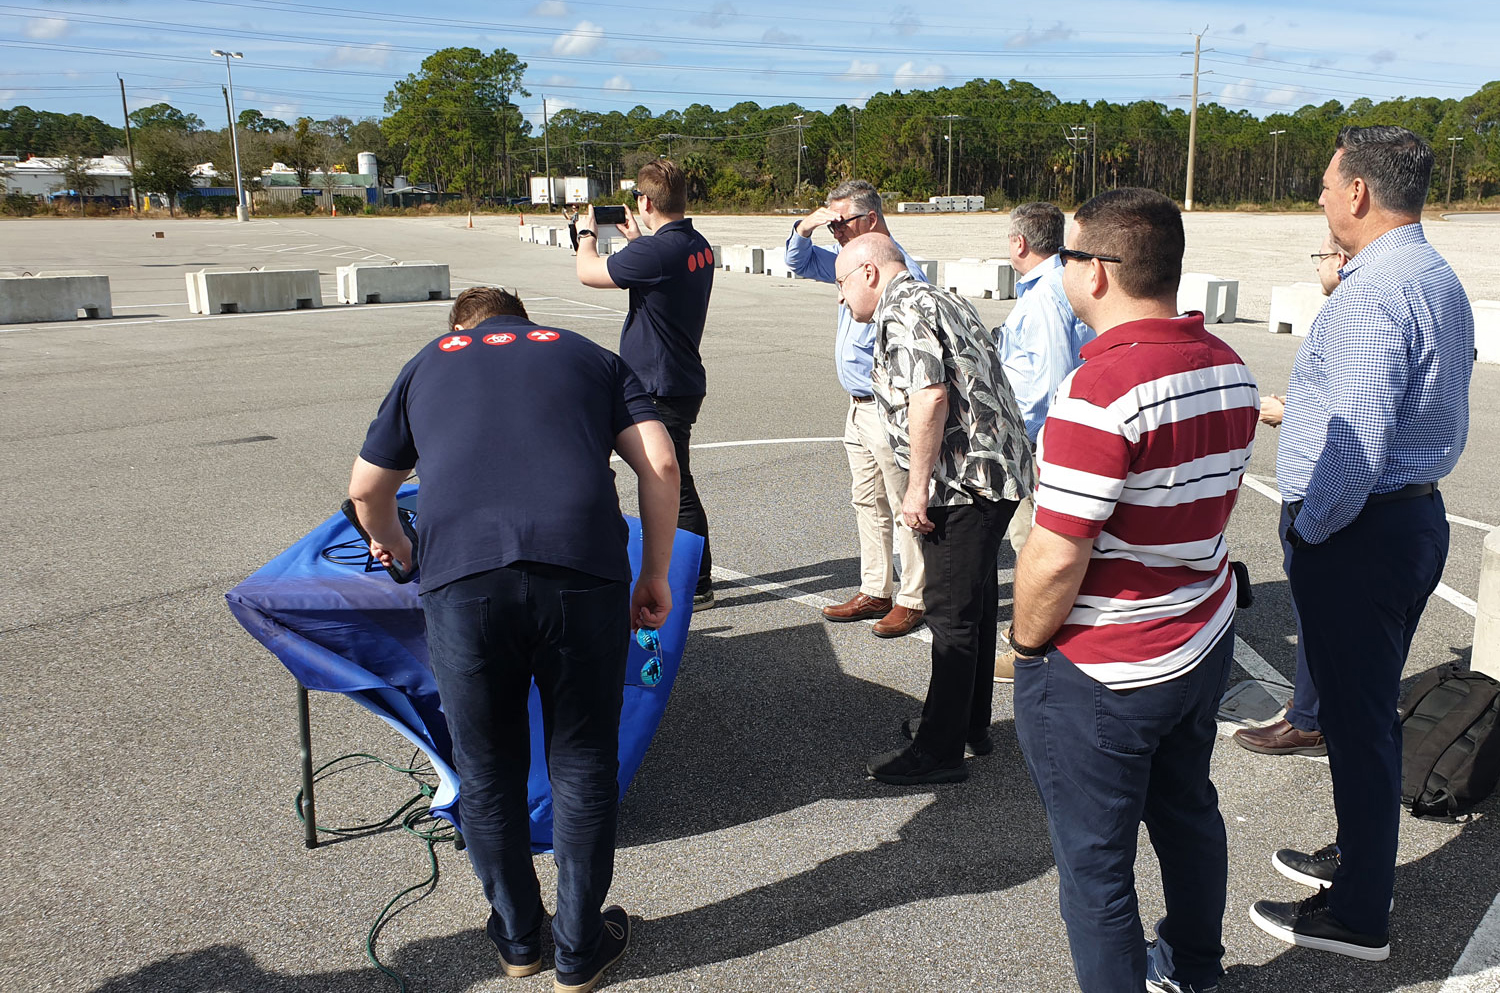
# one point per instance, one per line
(1040, 341)
(1379, 395)
(854, 349)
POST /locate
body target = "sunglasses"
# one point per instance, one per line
(637, 194)
(843, 222)
(650, 640)
(1074, 255)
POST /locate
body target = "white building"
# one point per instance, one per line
(41, 176)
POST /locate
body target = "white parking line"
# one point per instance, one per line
(1478, 968)
(1443, 590)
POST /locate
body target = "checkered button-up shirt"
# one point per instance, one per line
(1379, 396)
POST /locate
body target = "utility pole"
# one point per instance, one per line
(1073, 138)
(949, 139)
(129, 149)
(1275, 148)
(547, 152)
(798, 119)
(853, 147)
(1187, 203)
(1452, 152)
(1094, 167)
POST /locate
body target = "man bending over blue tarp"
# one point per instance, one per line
(525, 576)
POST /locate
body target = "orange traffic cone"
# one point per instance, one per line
(335, 210)
(523, 219)
(471, 219)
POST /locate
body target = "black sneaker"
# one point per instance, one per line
(908, 767)
(982, 745)
(1314, 870)
(1311, 924)
(613, 940)
(703, 601)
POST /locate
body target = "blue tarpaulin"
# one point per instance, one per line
(339, 623)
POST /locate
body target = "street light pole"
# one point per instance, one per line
(1275, 148)
(242, 208)
(1452, 152)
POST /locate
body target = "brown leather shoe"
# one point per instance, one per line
(901, 620)
(859, 607)
(1005, 666)
(1281, 739)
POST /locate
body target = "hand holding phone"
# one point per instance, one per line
(609, 214)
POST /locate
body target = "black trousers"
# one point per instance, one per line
(678, 415)
(1360, 595)
(963, 605)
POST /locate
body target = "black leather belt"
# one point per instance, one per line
(1408, 492)
(858, 399)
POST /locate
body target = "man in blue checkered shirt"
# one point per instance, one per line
(1377, 413)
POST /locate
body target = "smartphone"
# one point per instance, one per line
(397, 573)
(609, 214)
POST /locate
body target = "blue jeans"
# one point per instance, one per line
(1361, 593)
(1104, 761)
(1302, 714)
(489, 636)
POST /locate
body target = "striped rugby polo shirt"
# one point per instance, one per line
(1143, 451)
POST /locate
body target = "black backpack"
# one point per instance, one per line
(1450, 753)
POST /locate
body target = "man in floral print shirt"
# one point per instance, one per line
(955, 426)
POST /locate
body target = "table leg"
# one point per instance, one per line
(304, 731)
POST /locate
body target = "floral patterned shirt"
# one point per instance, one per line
(926, 336)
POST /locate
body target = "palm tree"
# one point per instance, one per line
(1483, 175)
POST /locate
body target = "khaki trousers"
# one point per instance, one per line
(879, 486)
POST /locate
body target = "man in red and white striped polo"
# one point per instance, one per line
(1124, 616)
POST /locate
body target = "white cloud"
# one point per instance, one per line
(619, 83)
(550, 8)
(859, 69)
(46, 27)
(908, 76)
(7, 94)
(1383, 57)
(1031, 36)
(582, 40)
(1287, 95)
(378, 55)
(775, 36)
(285, 111)
(905, 21)
(715, 17)
(1238, 92)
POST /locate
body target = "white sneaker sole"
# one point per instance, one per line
(1321, 944)
(1296, 876)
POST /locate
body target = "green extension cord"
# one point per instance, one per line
(411, 820)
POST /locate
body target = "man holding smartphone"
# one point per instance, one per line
(670, 277)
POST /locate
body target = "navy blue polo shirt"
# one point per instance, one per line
(670, 275)
(511, 426)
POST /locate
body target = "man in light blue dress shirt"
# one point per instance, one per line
(1039, 343)
(879, 484)
(1377, 413)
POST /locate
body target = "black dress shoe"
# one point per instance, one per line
(1311, 924)
(908, 767)
(982, 745)
(1316, 869)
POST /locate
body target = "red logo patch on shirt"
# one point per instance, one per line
(503, 338)
(708, 253)
(454, 343)
(543, 335)
(702, 261)
(692, 263)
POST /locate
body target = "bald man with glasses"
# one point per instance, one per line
(878, 482)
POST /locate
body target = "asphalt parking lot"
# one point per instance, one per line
(158, 458)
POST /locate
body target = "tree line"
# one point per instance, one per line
(455, 123)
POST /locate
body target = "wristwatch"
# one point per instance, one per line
(1025, 651)
(586, 233)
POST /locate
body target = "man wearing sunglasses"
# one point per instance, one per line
(879, 483)
(1125, 602)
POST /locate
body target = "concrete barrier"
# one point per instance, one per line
(915, 207)
(1218, 299)
(237, 291)
(53, 296)
(1294, 308)
(929, 268)
(1486, 331)
(718, 255)
(525, 232)
(776, 264)
(1486, 655)
(992, 278)
(745, 258)
(403, 282)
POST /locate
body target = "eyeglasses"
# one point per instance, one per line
(650, 640)
(840, 282)
(1074, 255)
(840, 223)
(1320, 256)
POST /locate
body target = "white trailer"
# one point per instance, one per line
(583, 189)
(539, 192)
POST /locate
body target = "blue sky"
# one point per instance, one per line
(326, 57)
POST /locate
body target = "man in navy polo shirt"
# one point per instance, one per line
(525, 576)
(670, 276)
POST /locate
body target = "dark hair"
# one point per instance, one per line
(1394, 163)
(478, 304)
(663, 181)
(1041, 224)
(1144, 229)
